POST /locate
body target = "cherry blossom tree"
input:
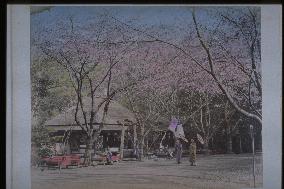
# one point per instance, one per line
(213, 69)
(88, 55)
(215, 56)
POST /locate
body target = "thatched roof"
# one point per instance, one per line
(117, 114)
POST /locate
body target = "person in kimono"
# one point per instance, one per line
(178, 149)
(192, 152)
(109, 156)
(136, 150)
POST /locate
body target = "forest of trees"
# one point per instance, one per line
(209, 77)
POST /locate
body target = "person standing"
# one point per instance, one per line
(109, 156)
(178, 149)
(192, 152)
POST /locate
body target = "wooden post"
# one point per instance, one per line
(134, 135)
(241, 146)
(253, 156)
(122, 141)
(142, 143)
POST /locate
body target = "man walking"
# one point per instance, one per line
(192, 152)
(178, 149)
(137, 151)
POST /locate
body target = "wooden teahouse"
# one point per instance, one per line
(113, 135)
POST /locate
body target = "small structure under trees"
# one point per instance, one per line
(117, 122)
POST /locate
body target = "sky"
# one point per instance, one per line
(149, 15)
(175, 17)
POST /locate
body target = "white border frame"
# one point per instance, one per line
(271, 49)
(18, 128)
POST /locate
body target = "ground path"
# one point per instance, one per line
(211, 172)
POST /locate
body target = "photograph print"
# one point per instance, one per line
(146, 97)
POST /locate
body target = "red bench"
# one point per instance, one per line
(62, 161)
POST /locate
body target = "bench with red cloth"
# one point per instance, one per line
(62, 161)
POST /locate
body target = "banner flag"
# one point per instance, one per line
(177, 129)
(173, 125)
(200, 139)
(180, 133)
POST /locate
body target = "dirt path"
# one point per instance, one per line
(220, 171)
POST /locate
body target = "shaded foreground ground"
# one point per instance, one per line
(214, 172)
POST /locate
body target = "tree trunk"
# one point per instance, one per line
(230, 144)
(141, 151)
(142, 148)
(212, 144)
(241, 148)
(258, 142)
(88, 151)
(229, 140)
(147, 146)
(122, 141)
(228, 127)
(135, 135)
